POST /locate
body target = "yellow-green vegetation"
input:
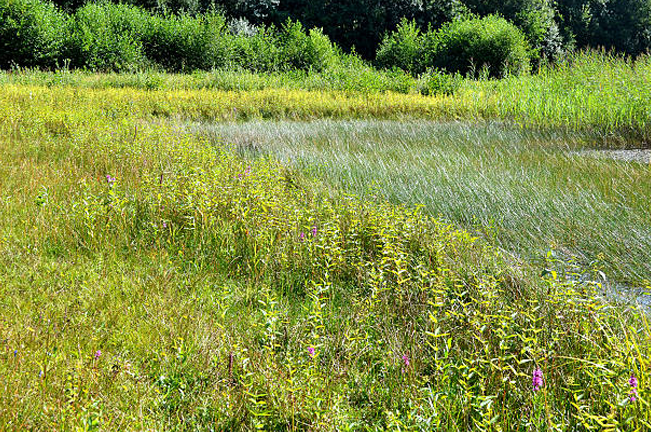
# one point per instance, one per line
(154, 280)
(596, 93)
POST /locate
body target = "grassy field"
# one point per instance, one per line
(154, 279)
(529, 192)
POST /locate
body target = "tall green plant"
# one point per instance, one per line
(107, 37)
(31, 33)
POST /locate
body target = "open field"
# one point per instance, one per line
(156, 279)
(529, 192)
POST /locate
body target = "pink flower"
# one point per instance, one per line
(633, 383)
(301, 236)
(537, 380)
(314, 231)
(311, 351)
(405, 360)
(98, 354)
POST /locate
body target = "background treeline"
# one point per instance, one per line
(419, 37)
(624, 25)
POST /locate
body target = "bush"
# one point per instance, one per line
(460, 46)
(302, 50)
(490, 43)
(183, 43)
(402, 48)
(108, 37)
(258, 52)
(31, 33)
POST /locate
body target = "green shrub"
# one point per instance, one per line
(402, 48)
(108, 37)
(184, 43)
(490, 43)
(304, 50)
(258, 52)
(31, 33)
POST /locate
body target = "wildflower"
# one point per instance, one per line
(247, 171)
(314, 231)
(537, 380)
(405, 360)
(633, 383)
(311, 351)
(164, 225)
(98, 354)
(301, 236)
(15, 353)
(110, 180)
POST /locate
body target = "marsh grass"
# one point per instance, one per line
(592, 92)
(182, 295)
(529, 192)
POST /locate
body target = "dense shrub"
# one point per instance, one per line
(257, 52)
(490, 42)
(463, 46)
(107, 37)
(184, 43)
(402, 48)
(304, 50)
(31, 33)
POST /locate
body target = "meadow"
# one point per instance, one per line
(155, 276)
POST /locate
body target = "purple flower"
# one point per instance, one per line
(405, 360)
(15, 353)
(314, 231)
(311, 351)
(301, 236)
(633, 383)
(164, 225)
(537, 380)
(98, 354)
(110, 180)
(247, 171)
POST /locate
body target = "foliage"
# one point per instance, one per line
(463, 46)
(304, 50)
(107, 37)
(622, 25)
(183, 43)
(154, 280)
(471, 45)
(31, 34)
(402, 48)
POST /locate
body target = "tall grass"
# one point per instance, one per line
(595, 93)
(529, 192)
(154, 280)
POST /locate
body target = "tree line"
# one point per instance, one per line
(551, 26)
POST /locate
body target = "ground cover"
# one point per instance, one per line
(153, 279)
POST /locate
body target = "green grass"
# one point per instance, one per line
(205, 279)
(529, 192)
(591, 92)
